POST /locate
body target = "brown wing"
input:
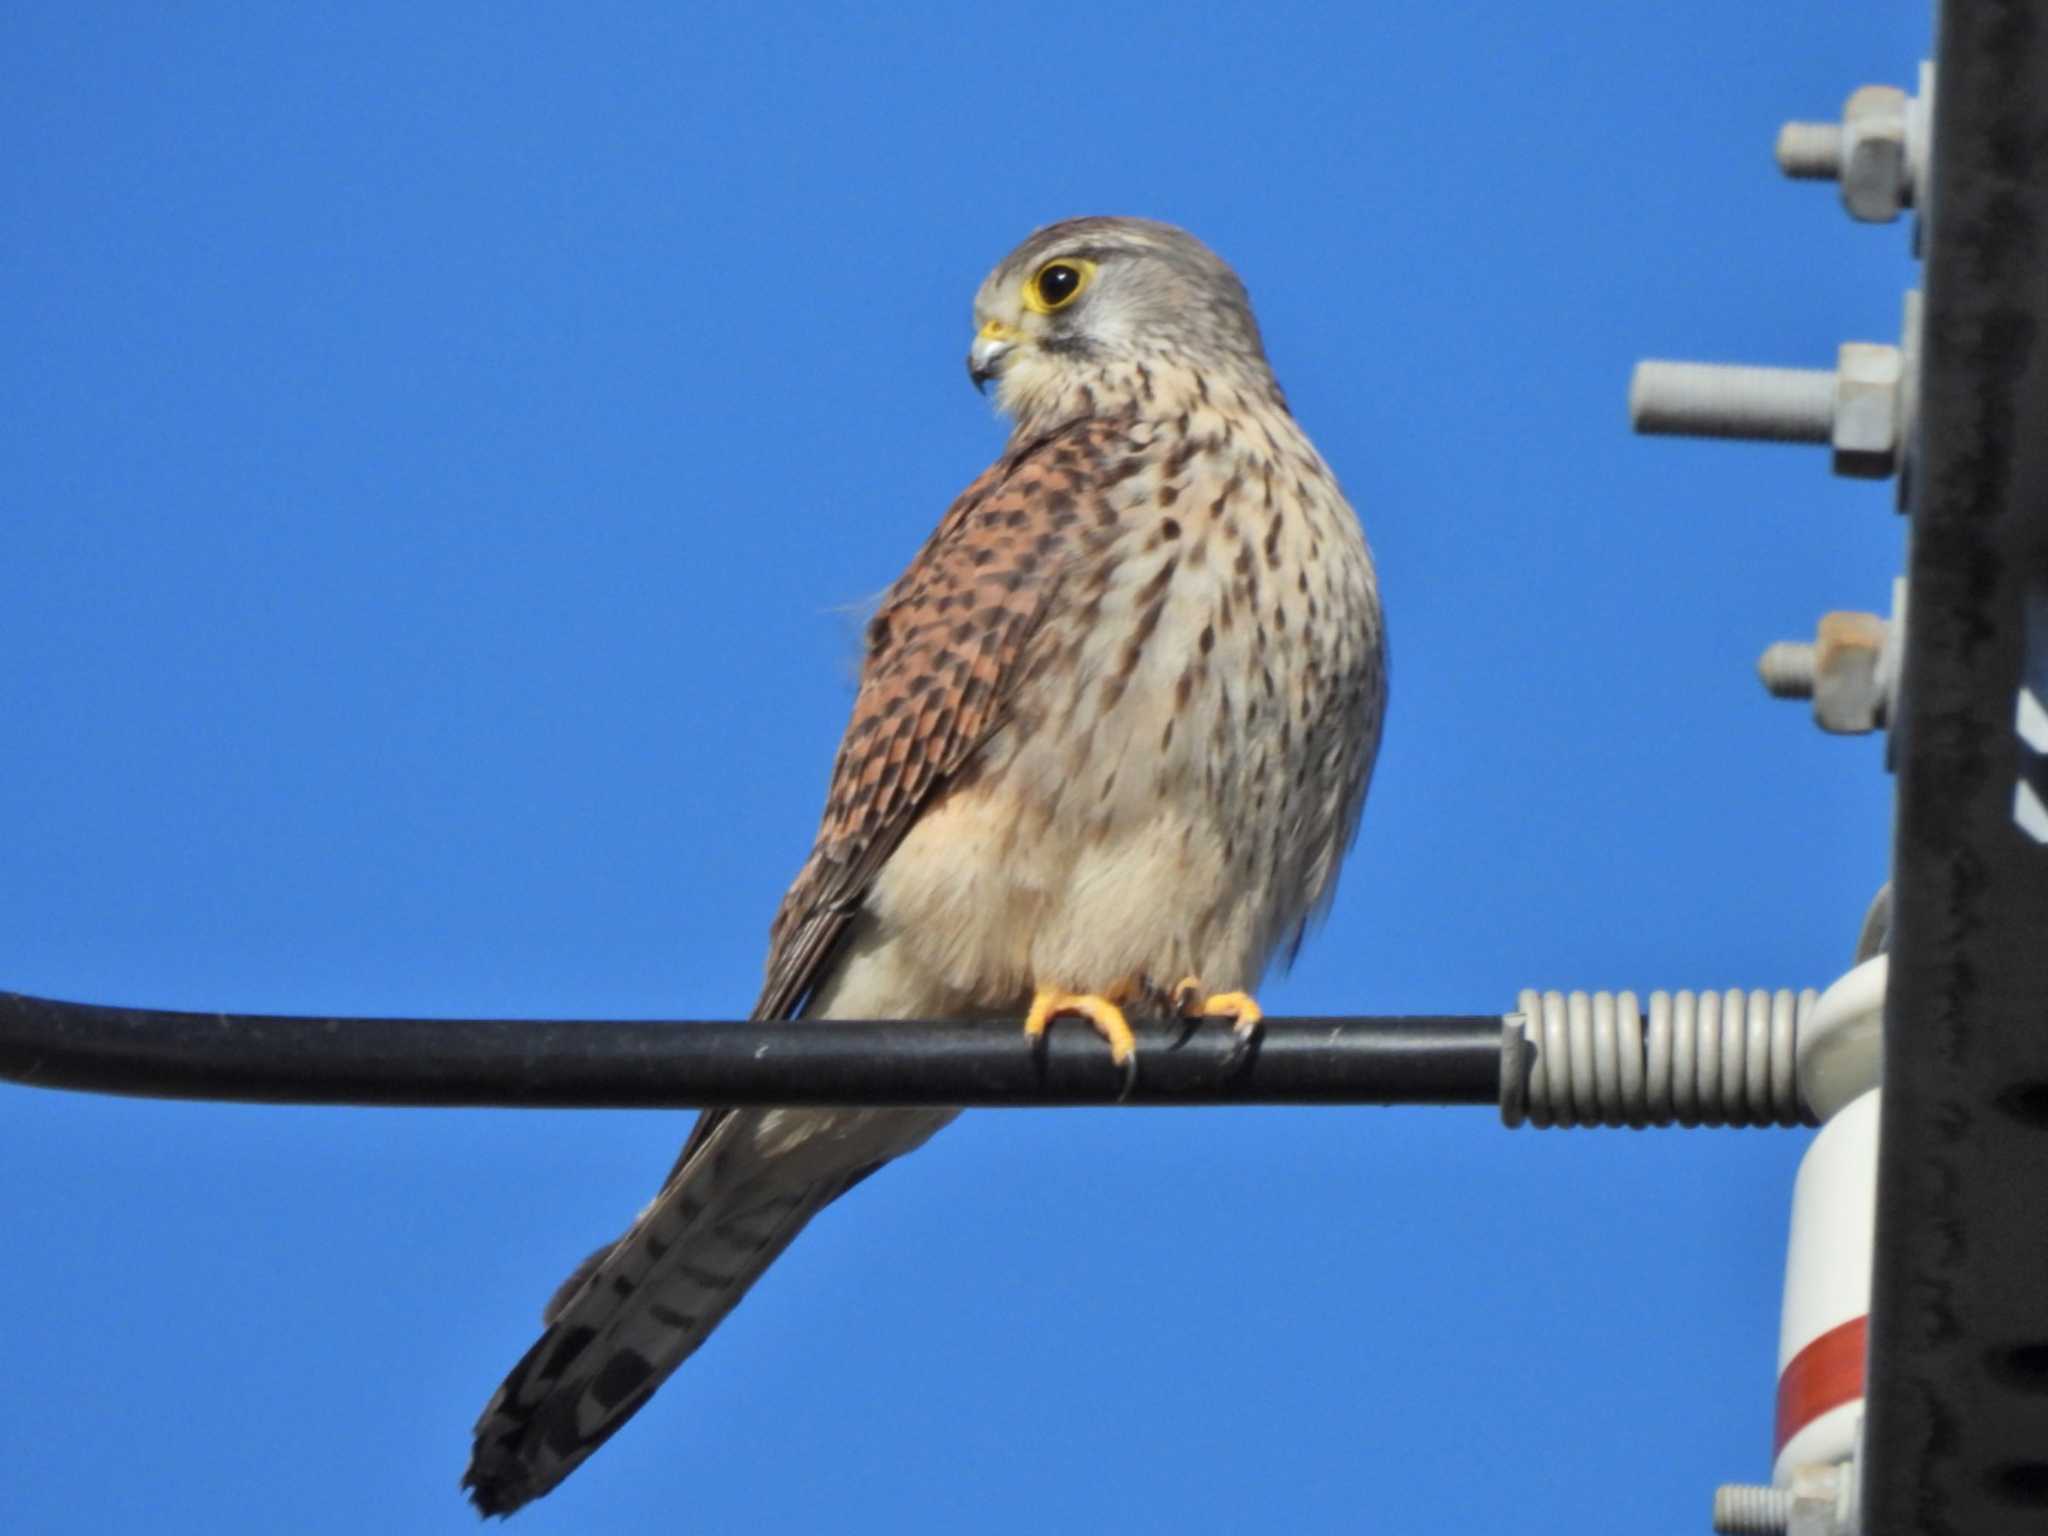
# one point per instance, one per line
(942, 657)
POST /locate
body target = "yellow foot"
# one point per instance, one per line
(1241, 1008)
(1052, 1002)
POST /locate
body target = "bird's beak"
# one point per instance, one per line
(985, 358)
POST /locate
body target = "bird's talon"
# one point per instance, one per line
(1241, 1008)
(1108, 1019)
(1193, 1001)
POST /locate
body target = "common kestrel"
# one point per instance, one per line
(1113, 733)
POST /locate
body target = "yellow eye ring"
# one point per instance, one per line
(1057, 284)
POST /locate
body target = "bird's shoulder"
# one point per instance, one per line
(943, 642)
(1042, 494)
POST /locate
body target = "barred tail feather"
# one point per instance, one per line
(635, 1312)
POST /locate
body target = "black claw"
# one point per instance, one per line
(1244, 1047)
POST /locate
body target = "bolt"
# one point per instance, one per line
(1810, 151)
(1842, 670)
(1750, 1509)
(1787, 669)
(1857, 408)
(1870, 151)
(1780, 405)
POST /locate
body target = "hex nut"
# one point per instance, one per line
(1848, 689)
(1876, 182)
(1818, 1502)
(1867, 407)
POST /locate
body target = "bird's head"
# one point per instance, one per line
(1085, 312)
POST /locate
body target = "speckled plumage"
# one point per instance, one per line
(1114, 728)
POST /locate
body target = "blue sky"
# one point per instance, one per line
(441, 450)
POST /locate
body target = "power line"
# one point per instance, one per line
(644, 1064)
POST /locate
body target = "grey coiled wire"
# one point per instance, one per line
(1691, 1058)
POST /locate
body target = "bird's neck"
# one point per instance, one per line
(1166, 389)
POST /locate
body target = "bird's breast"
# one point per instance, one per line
(1187, 745)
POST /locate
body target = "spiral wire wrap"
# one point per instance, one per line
(1694, 1058)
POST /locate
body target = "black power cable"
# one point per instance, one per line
(591, 1064)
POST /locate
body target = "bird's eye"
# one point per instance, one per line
(1057, 284)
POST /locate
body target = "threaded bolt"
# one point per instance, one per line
(1810, 151)
(1751, 1509)
(1788, 669)
(1784, 405)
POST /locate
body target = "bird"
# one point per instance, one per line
(1112, 736)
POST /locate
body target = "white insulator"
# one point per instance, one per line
(1691, 1058)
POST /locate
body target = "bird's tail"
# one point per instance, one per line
(744, 1187)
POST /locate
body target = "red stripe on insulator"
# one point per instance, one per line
(1824, 1375)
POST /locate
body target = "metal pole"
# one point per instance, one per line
(1957, 1426)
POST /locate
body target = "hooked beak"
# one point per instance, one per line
(985, 358)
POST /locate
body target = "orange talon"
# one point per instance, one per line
(1051, 1002)
(1241, 1008)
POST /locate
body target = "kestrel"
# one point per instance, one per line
(1113, 733)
